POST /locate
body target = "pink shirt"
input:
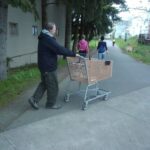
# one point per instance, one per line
(83, 45)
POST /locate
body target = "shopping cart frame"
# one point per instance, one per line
(84, 73)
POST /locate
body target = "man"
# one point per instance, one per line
(48, 49)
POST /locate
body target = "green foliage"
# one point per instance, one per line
(94, 18)
(93, 44)
(18, 80)
(140, 52)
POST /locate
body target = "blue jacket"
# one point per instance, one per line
(48, 49)
(102, 47)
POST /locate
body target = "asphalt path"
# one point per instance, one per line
(128, 75)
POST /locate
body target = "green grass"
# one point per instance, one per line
(141, 51)
(18, 80)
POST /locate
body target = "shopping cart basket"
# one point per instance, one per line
(89, 71)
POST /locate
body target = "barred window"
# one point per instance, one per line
(34, 30)
(13, 28)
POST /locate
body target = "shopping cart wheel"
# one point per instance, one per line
(84, 106)
(106, 97)
(67, 98)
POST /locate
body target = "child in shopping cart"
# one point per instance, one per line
(102, 48)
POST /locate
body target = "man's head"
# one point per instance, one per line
(51, 27)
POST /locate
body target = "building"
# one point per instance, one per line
(23, 30)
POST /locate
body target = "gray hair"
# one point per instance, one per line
(49, 26)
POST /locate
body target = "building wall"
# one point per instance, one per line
(21, 43)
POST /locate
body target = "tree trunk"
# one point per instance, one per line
(75, 40)
(68, 27)
(3, 37)
(44, 13)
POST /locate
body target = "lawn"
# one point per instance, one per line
(141, 52)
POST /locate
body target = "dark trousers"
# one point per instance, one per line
(82, 53)
(48, 83)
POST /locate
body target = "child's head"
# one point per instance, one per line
(102, 38)
(82, 36)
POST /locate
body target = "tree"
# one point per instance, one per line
(25, 5)
(68, 27)
(3, 34)
(89, 18)
(94, 18)
(44, 5)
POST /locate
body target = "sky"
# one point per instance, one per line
(136, 8)
(137, 3)
(137, 16)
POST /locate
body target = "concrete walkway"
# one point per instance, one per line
(121, 123)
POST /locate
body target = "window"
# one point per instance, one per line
(13, 28)
(34, 30)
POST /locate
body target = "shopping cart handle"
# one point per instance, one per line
(77, 55)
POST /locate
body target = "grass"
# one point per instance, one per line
(18, 80)
(141, 52)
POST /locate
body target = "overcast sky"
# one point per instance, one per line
(135, 9)
(137, 3)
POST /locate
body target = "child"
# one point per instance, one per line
(113, 42)
(83, 46)
(102, 48)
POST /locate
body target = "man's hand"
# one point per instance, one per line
(77, 55)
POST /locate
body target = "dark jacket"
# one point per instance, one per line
(102, 47)
(48, 49)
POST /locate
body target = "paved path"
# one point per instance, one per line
(118, 124)
(122, 123)
(128, 74)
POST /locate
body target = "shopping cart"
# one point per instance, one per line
(90, 71)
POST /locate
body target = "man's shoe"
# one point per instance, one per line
(33, 103)
(53, 107)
